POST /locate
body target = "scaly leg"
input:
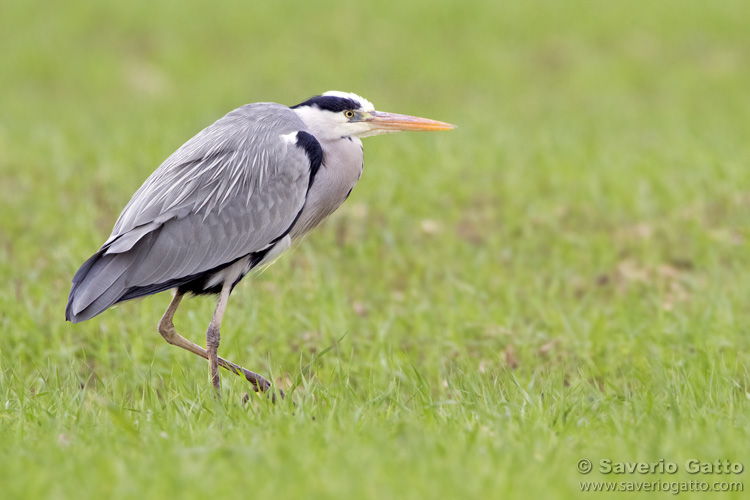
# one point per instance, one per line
(213, 335)
(167, 330)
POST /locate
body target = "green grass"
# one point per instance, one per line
(564, 276)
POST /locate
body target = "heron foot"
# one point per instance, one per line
(167, 330)
(260, 384)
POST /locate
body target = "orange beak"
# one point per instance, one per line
(392, 122)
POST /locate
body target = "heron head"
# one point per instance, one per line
(334, 115)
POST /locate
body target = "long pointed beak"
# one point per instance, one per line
(392, 122)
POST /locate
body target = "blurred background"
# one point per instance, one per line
(588, 219)
(593, 141)
(597, 146)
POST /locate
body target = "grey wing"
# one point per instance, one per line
(233, 190)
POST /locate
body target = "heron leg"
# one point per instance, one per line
(167, 330)
(213, 335)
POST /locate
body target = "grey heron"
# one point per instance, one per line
(231, 199)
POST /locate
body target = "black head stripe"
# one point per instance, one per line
(330, 103)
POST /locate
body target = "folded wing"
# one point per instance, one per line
(233, 190)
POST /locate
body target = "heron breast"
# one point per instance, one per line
(341, 169)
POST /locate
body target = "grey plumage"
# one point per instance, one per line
(233, 197)
(232, 190)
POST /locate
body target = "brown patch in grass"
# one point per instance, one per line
(670, 278)
(509, 355)
(360, 309)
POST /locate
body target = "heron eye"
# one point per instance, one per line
(349, 113)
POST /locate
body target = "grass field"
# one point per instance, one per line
(563, 277)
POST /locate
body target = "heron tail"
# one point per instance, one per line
(97, 285)
(102, 281)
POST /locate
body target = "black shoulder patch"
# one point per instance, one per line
(314, 152)
(330, 103)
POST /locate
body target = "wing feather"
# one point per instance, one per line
(234, 189)
(209, 216)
